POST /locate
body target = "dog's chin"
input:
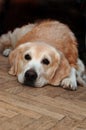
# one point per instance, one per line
(31, 84)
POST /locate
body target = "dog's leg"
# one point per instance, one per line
(5, 41)
(6, 52)
(80, 72)
(8, 41)
(75, 76)
(70, 82)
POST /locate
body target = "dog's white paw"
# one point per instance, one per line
(69, 83)
(6, 52)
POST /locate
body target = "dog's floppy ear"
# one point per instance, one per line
(13, 59)
(61, 72)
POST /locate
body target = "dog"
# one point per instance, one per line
(44, 53)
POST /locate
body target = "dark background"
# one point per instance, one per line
(15, 13)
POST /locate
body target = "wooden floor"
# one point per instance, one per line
(47, 108)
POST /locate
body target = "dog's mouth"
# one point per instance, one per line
(29, 83)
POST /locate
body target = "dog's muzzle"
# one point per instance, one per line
(30, 77)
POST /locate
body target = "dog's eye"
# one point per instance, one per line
(27, 57)
(45, 61)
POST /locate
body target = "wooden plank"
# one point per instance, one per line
(10, 109)
(81, 125)
(18, 122)
(77, 109)
(24, 104)
(45, 123)
(67, 124)
(3, 118)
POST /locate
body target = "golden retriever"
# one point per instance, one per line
(44, 53)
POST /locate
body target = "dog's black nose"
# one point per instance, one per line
(30, 75)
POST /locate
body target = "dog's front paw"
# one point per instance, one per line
(69, 83)
(6, 52)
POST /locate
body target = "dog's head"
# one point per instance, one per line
(38, 64)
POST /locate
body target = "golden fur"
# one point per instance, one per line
(57, 35)
(50, 40)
